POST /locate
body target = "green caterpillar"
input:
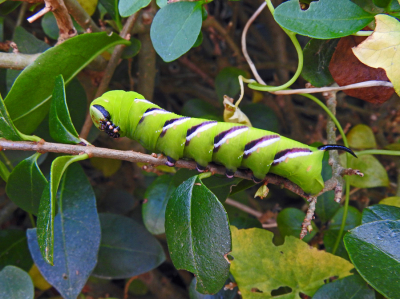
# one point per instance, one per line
(121, 113)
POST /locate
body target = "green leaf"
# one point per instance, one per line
(117, 201)
(129, 7)
(4, 172)
(76, 236)
(111, 6)
(380, 212)
(26, 184)
(161, 3)
(29, 98)
(317, 55)
(326, 207)
(127, 249)
(361, 137)
(61, 128)
(133, 49)
(375, 174)
(317, 20)
(175, 29)
(198, 234)
(369, 6)
(382, 3)
(7, 128)
(245, 222)
(15, 284)
(222, 294)
(261, 117)
(349, 287)
(153, 210)
(259, 267)
(374, 250)
(227, 82)
(201, 109)
(391, 201)
(47, 206)
(289, 223)
(353, 219)
(14, 249)
(221, 186)
(49, 25)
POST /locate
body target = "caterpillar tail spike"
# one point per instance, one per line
(331, 147)
(232, 145)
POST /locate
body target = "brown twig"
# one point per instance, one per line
(243, 207)
(64, 21)
(132, 156)
(39, 14)
(81, 16)
(16, 61)
(126, 288)
(111, 66)
(306, 226)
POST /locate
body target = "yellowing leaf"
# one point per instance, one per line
(107, 166)
(391, 201)
(38, 280)
(257, 96)
(233, 114)
(259, 267)
(88, 5)
(361, 137)
(381, 49)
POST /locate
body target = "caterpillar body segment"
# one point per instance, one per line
(121, 113)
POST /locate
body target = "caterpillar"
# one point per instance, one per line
(121, 113)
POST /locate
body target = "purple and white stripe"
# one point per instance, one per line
(193, 131)
(143, 101)
(290, 153)
(254, 145)
(173, 122)
(222, 137)
(153, 111)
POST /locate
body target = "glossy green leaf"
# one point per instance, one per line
(9, 6)
(175, 29)
(133, 49)
(227, 82)
(161, 3)
(198, 235)
(61, 128)
(361, 137)
(76, 236)
(259, 267)
(127, 249)
(222, 294)
(326, 206)
(382, 3)
(26, 184)
(353, 219)
(317, 55)
(47, 206)
(289, 223)
(374, 250)
(49, 25)
(375, 174)
(316, 21)
(15, 284)
(349, 287)
(129, 7)
(391, 201)
(261, 117)
(153, 210)
(29, 99)
(380, 212)
(14, 249)
(7, 128)
(201, 109)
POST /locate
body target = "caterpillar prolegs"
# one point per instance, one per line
(121, 113)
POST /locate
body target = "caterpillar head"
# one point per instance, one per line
(102, 119)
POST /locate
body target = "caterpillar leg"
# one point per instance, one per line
(200, 168)
(230, 173)
(170, 162)
(256, 180)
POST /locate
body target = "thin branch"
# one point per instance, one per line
(143, 158)
(39, 14)
(243, 207)
(81, 16)
(306, 226)
(109, 71)
(244, 47)
(16, 61)
(365, 84)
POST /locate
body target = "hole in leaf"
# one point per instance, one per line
(281, 291)
(231, 258)
(65, 276)
(255, 290)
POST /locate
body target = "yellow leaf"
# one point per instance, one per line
(88, 5)
(107, 166)
(381, 49)
(38, 280)
(391, 201)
